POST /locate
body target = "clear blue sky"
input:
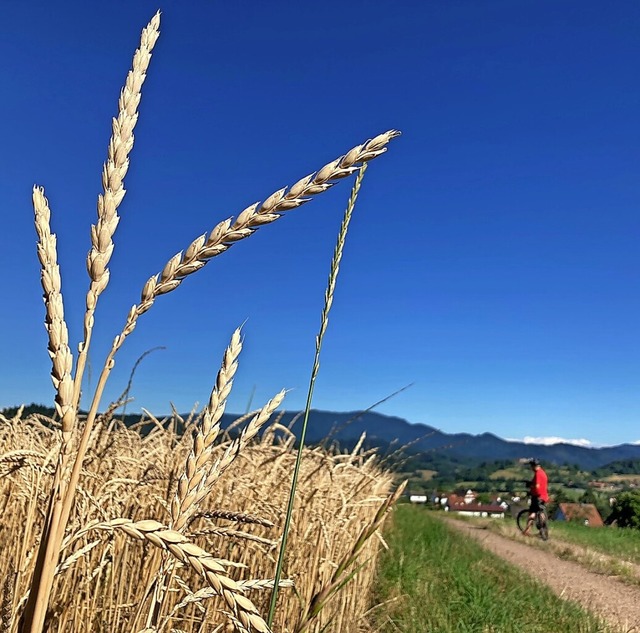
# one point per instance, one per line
(493, 258)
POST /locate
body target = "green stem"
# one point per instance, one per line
(328, 300)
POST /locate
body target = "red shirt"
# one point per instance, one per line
(539, 485)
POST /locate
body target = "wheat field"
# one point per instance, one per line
(103, 581)
(177, 525)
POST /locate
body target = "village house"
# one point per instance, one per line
(468, 505)
(448, 500)
(585, 513)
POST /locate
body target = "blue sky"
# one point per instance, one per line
(493, 257)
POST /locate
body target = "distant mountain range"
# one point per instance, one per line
(384, 430)
(391, 433)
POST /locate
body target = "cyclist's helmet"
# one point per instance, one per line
(534, 461)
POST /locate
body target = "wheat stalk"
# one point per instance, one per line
(68, 389)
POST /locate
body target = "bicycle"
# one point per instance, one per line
(540, 522)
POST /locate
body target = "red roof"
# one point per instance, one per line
(582, 512)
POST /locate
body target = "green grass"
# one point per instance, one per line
(623, 543)
(432, 579)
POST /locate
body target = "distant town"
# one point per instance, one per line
(498, 489)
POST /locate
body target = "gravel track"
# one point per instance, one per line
(617, 603)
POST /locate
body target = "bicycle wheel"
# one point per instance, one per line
(522, 518)
(543, 528)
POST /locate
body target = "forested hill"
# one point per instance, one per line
(392, 432)
(384, 430)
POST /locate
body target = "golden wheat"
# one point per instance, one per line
(100, 587)
(56, 326)
(192, 486)
(156, 498)
(113, 173)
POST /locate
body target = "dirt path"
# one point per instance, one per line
(617, 603)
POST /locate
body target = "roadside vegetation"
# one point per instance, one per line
(606, 550)
(623, 543)
(433, 579)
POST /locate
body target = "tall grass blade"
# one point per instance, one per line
(324, 321)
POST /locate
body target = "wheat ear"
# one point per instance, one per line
(237, 517)
(184, 503)
(62, 360)
(7, 596)
(208, 475)
(207, 592)
(201, 561)
(33, 617)
(227, 233)
(113, 172)
(233, 534)
(68, 390)
(190, 489)
(237, 445)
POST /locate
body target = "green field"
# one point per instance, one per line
(433, 579)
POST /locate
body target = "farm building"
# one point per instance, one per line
(585, 513)
(453, 499)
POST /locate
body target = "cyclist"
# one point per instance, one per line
(538, 492)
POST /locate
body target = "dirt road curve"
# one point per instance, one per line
(617, 603)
